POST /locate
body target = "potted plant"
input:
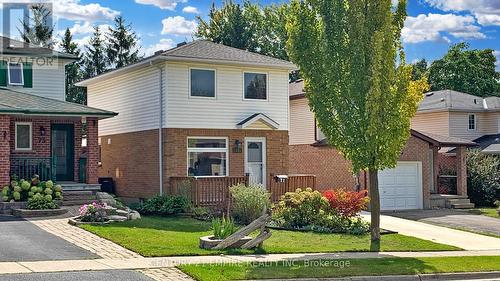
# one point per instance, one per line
(222, 228)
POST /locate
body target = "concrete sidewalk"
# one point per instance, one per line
(168, 262)
(462, 239)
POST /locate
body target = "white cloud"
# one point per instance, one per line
(497, 55)
(74, 10)
(190, 10)
(163, 45)
(162, 4)
(487, 12)
(178, 26)
(432, 27)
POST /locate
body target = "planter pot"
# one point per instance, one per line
(208, 242)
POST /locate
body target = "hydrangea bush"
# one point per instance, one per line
(24, 190)
(95, 212)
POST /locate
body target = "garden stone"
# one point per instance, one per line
(134, 215)
(117, 218)
(122, 213)
(106, 198)
(110, 210)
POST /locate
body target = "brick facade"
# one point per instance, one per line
(4, 150)
(139, 180)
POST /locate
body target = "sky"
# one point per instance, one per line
(431, 27)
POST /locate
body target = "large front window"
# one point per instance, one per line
(255, 86)
(207, 157)
(23, 136)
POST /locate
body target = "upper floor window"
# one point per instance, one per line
(255, 86)
(472, 121)
(24, 136)
(202, 83)
(15, 72)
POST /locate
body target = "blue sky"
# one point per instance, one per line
(431, 27)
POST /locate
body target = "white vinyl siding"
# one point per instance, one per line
(301, 122)
(133, 95)
(459, 125)
(435, 122)
(229, 107)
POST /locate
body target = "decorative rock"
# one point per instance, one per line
(122, 213)
(117, 218)
(104, 197)
(134, 215)
(110, 210)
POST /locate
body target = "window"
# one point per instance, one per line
(202, 83)
(472, 121)
(207, 157)
(23, 136)
(255, 86)
(16, 74)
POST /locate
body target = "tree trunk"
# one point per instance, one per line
(374, 205)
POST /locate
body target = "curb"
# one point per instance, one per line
(492, 275)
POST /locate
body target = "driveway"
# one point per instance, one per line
(460, 219)
(110, 275)
(23, 241)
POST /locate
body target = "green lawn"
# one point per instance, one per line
(154, 237)
(490, 212)
(341, 268)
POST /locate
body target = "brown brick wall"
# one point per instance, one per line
(92, 150)
(4, 150)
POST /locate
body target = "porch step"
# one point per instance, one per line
(78, 197)
(76, 202)
(451, 202)
(70, 186)
(463, 206)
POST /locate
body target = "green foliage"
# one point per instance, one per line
(40, 203)
(94, 59)
(223, 227)
(419, 70)
(249, 202)
(122, 44)
(483, 177)
(37, 30)
(300, 208)
(468, 71)
(202, 213)
(23, 190)
(164, 205)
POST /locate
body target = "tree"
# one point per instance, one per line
(356, 80)
(122, 46)
(419, 70)
(73, 70)
(37, 30)
(468, 71)
(94, 60)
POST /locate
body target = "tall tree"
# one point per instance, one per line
(122, 44)
(73, 70)
(419, 70)
(38, 29)
(94, 60)
(464, 70)
(356, 80)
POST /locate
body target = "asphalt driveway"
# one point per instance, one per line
(460, 219)
(20, 240)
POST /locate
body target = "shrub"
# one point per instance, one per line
(346, 203)
(249, 202)
(202, 213)
(223, 227)
(164, 205)
(40, 203)
(23, 190)
(483, 177)
(95, 212)
(300, 208)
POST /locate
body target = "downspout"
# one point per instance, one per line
(160, 127)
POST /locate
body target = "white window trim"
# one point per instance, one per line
(31, 136)
(226, 150)
(215, 83)
(475, 121)
(22, 74)
(267, 85)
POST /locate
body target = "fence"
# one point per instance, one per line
(278, 188)
(27, 167)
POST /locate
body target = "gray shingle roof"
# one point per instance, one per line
(15, 47)
(444, 141)
(453, 100)
(15, 102)
(296, 89)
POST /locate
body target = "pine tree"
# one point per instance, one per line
(73, 71)
(94, 60)
(122, 46)
(38, 31)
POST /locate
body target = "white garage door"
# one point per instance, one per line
(401, 187)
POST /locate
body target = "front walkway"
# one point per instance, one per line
(462, 239)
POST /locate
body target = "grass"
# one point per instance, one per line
(155, 237)
(341, 268)
(490, 212)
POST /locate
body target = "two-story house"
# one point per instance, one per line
(41, 133)
(201, 109)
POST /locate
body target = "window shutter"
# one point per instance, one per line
(28, 74)
(3, 73)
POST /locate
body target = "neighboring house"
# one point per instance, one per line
(408, 186)
(41, 133)
(200, 109)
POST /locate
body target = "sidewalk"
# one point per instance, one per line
(462, 239)
(170, 262)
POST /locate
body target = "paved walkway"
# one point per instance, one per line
(462, 239)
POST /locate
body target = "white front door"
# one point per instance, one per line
(255, 160)
(401, 188)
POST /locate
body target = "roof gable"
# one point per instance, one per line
(258, 121)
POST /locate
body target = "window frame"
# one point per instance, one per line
(22, 73)
(267, 85)
(468, 121)
(215, 83)
(30, 148)
(213, 149)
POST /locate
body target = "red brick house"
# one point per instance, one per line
(41, 133)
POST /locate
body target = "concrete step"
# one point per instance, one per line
(78, 193)
(73, 198)
(80, 186)
(451, 202)
(463, 206)
(76, 202)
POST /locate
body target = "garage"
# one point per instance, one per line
(401, 187)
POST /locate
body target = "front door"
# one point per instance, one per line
(255, 160)
(62, 152)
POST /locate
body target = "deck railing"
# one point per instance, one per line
(290, 184)
(27, 167)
